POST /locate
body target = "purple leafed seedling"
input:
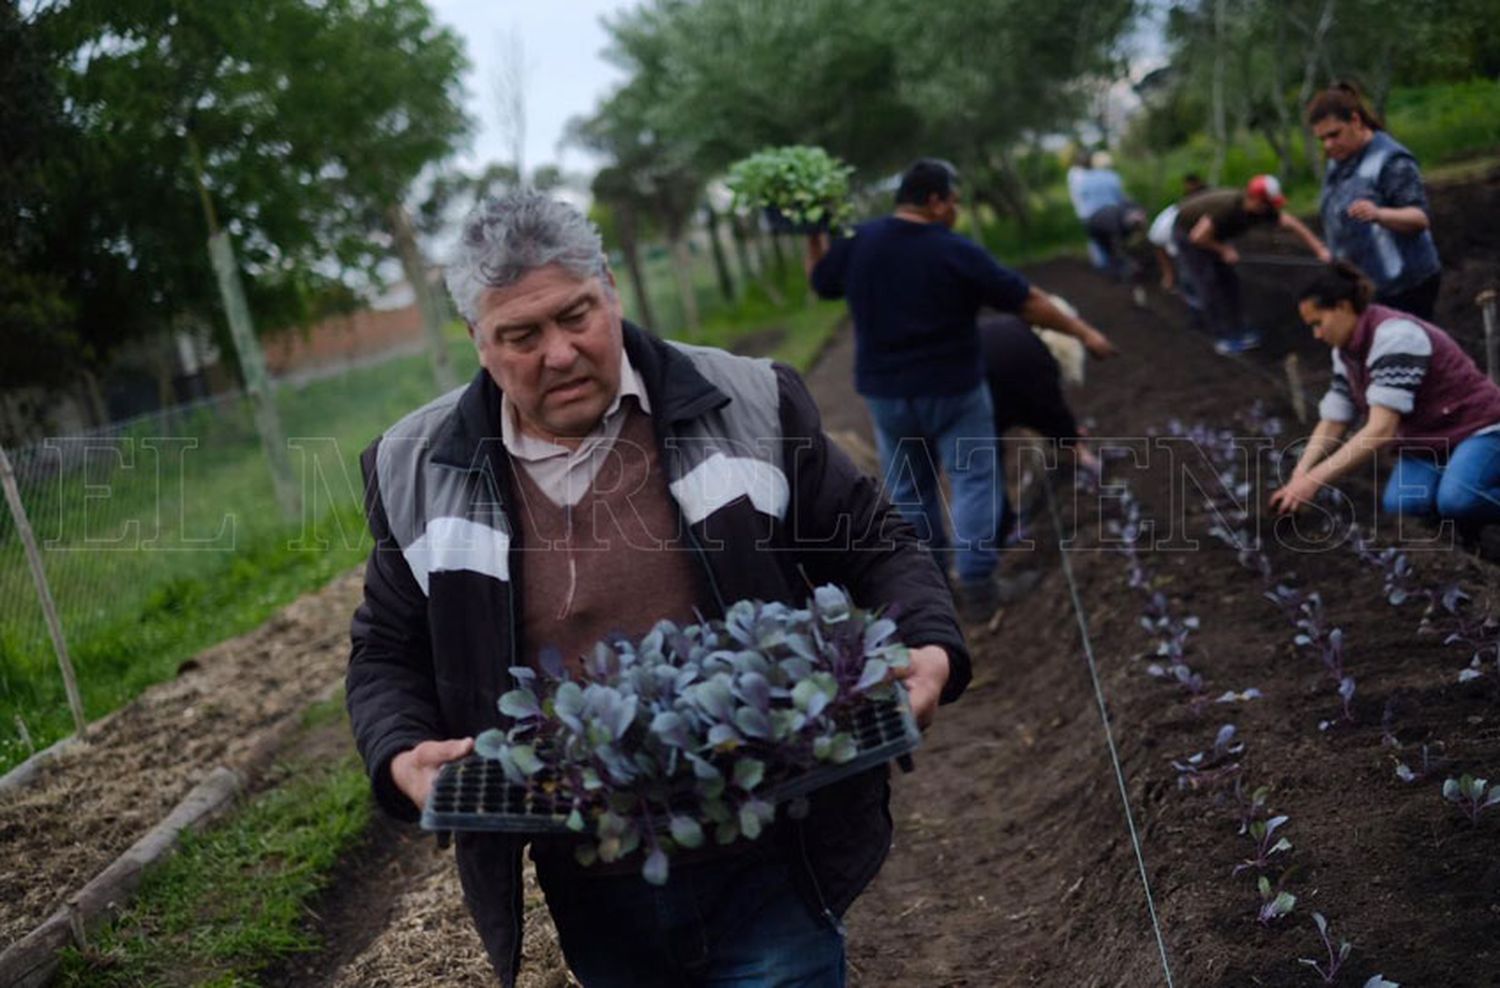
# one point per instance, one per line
(1204, 769)
(1346, 697)
(1309, 620)
(1336, 957)
(1252, 807)
(1274, 902)
(1288, 598)
(1482, 637)
(1263, 833)
(1426, 767)
(1259, 563)
(1243, 696)
(1472, 796)
(1183, 675)
(1397, 704)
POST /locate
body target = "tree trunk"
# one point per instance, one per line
(779, 257)
(748, 271)
(97, 406)
(682, 268)
(165, 365)
(1309, 79)
(1013, 188)
(630, 244)
(1216, 105)
(721, 263)
(1283, 124)
(414, 266)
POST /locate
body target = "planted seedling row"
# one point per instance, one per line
(1443, 612)
(1216, 766)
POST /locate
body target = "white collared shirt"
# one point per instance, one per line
(564, 474)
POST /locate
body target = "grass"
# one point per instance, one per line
(137, 597)
(233, 900)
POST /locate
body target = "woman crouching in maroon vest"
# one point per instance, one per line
(1416, 388)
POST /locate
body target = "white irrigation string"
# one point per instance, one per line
(1109, 736)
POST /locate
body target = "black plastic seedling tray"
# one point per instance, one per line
(474, 794)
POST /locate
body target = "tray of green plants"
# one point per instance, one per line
(693, 735)
(802, 189)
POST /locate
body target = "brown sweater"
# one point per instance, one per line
(613, 564)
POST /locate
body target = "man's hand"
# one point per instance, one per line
(1324, 254)
(1229, 255)
(1097, 344)
(1364, 210)
(1298, 492)
(817, 249)
(415, 769)
(925, 678)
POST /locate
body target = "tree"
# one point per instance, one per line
(311, 119)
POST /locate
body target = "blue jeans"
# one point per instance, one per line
(914, 436)
(738, 922)
(1466, 488)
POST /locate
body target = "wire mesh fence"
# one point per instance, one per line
(152, 530)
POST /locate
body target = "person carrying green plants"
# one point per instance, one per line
(590, 481)
(915, 288)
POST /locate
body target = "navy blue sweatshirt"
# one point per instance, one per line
(914, 290)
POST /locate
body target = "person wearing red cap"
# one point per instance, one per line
(1206, 223)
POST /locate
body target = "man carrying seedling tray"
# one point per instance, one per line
(589, 482)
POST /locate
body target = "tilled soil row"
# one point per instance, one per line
(98, 798)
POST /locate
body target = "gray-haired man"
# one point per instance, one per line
(592, 480)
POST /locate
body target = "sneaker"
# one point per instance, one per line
(1240, 344)
(1013, 587)
(977, 600)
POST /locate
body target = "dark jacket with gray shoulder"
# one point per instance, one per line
(768, 504)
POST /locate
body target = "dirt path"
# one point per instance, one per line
(1012, 864)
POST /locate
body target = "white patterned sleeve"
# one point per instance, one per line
(1398, 360)
(1337, 405)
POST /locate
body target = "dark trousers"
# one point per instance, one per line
(735, 922)
(1218, 288)
(1106, 228)
(1420, 300)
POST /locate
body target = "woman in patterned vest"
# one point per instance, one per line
(1416, 390)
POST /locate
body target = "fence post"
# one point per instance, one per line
(257, 383)
(43, 592)
(1486, 300)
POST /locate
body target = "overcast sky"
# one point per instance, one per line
(565, 74)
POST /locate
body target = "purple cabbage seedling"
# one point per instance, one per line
(1243, 696)
(1472, 796)
(1263, 833)
(1336, 957)
(1203, 769)
(1252, 807)
(675, 739)
(1406, 773)
(1482, 637)
(1274, 902)
(1288, 598)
